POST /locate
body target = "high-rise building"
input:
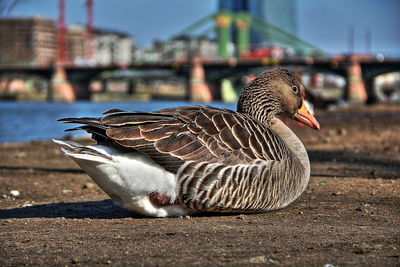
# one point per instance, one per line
(27, 40)
(113, 47)
(281, 13)
(33, 41)
(76, 43)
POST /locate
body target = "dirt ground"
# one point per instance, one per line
(348, 215)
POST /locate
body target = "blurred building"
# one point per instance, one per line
(207, 48)
(27, 41)
(113, 47)
(34, 41)
(281, 13)
(76, 44)
(186, 47)
(178, 49)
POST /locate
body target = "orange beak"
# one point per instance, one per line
(304, 116)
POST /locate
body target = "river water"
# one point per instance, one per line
(24, 121)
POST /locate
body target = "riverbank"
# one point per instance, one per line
(348, 215)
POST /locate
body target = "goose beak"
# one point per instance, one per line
(304, 116)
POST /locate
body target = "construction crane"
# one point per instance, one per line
(89, 30)
(62, 32)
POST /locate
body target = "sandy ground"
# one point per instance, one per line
(348, 215)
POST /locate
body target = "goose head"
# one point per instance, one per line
(275, 92)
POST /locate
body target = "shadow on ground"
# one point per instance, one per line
(102, 209)
(344, 163)
(42, 169)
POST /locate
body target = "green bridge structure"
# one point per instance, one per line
(223, 21)
(204, 76)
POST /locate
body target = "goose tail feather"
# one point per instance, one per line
(80, 152)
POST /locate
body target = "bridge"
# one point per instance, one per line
(204, 75)
(224, 21)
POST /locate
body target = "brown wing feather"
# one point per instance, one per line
(189, 133)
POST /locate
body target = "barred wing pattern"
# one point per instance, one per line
(224, 160)
(255, 187)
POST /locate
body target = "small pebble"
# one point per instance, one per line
(170, 233)
(66, 191)
(240, 217)
(326, 140)
(273, 261)
(258, 259)
(14, 193)
(88, 186)
(341, 131)
(20, 155)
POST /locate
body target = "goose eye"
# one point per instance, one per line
(295, 89)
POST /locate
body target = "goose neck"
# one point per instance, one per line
(292, 142)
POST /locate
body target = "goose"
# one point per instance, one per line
(184, 160)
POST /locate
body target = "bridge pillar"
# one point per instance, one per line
(355, 85)
(243, 21)
(60, 88)
(198, 88)
(369, 87)
(223, 21)
(81, 81)
(132, 84)
(81, 89)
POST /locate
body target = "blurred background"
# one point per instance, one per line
(64, 58)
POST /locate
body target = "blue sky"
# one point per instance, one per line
(323, 23)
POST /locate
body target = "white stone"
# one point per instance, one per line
(14, 193)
